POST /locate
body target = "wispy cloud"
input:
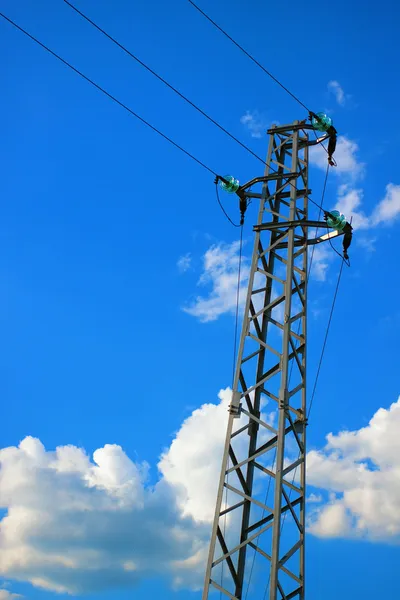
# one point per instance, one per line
(320, 263)
(184, 263)
(314, 498)
(336, 89)
(255, 122)
(220, 273)
(366, 243)
(6, 595)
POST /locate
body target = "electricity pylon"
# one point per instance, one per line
(262, 482)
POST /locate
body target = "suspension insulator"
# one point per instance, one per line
(336, 220)
(322, 123)
(232, 185)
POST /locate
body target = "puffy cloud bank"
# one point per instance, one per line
(361, 471)
(79, 524)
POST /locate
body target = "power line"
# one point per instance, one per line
(174, 89)
(233, 365)
(223, 209)
(113, 98)
(326, 337)
(164, 81)
(262, 68)
(129, 109)
(249, 55)
(319, 216)
(237, 304)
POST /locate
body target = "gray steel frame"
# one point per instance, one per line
(271, 366)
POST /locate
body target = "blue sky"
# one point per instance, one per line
(97, 212)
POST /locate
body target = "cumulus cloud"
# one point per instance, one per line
(255, 123)
(190, 465)
(220, 274)
(361, 470)
(346, 156)
(338, 92)
(333, 521)
(385, 212)
(388, 208)
(349, 202)
(184, 263)
(80, 524)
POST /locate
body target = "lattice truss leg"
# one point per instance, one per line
(257, 544)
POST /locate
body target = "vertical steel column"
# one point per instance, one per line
(271, 356)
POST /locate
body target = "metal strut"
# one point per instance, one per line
(263, 453)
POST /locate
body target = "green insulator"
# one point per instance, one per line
(336, 220)
(322, 123)
(232, 185)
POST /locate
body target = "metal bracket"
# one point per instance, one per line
(297, 223)
(235, 406)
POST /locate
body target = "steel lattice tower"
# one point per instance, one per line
(262, 483)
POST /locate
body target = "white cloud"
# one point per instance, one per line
(361, 469)
(337, 90)
(184, 263)
(255, 123)
(80, 525)
(6, 595)
(220, 271)
(314, 498)
(346, 156)
(388, 209)
(332, 521)
(75, 525)
(349, 201)
(190, 464)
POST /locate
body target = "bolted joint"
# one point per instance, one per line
(235, 407)
(301, 422)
